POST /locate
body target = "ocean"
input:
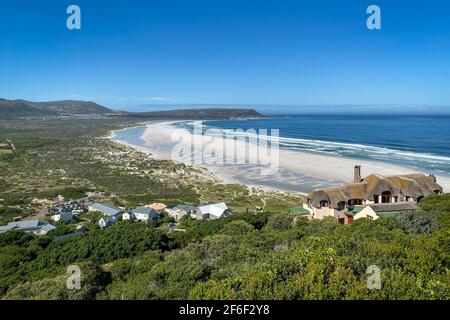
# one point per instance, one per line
(318, 151)
(418, 142)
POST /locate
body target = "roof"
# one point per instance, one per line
(185, 207)
(393, 207)
(412, 185)
(146, 211)
(142, 210)
(28, 225)
(354, 210)
(300, 211)
(157, 206)
(20, 225)
(70, 235)
(48, 227)
(108, 219)
(216, 209)
(392, 214)
(105, 208)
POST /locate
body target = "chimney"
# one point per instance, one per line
(357, 174)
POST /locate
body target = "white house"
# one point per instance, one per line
(107, 221)
(30, 226)
(175, 213)
(144, 214)
(104, 208)
(127, 216)
(212, 211)
(63, 216)
(180, 211)
(382, 210)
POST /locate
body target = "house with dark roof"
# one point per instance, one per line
(64, 216)
(375, 191)
(107, 221)
(141, 214)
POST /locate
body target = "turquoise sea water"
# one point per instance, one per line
(421, 142)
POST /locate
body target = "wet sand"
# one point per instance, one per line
(294, 171)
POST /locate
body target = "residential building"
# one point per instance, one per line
(144, 214)
(212, 211)
(31, 226)
(107, 221)
(339, 202)
(45, 228)
(127, 216)
(105, 209)
(63, 216)
(180, 211)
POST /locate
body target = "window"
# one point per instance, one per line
(386, 197)
(323, 203)
(353, 202)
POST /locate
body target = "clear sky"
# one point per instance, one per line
(131, 53)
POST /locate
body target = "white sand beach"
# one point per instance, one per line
(296, 170)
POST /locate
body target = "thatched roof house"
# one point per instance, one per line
(377, 189)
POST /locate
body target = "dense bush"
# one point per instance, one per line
(413, 223)
(245, 256)
(69, 193)
(24, 257)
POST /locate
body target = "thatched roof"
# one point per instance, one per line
(392, 207)
(426, 184)
(412, 185)
(377, 184)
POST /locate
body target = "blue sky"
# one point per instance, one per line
(133, 53)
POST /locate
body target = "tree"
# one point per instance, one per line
(280, 222)
(236, 228)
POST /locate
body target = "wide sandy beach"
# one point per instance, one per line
(286, 171)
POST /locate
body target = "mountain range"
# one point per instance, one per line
(13, 109)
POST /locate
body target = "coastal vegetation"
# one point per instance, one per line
(261, 251)
(257, 256)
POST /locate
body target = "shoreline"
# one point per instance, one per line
(299, 171)
(217, 175)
